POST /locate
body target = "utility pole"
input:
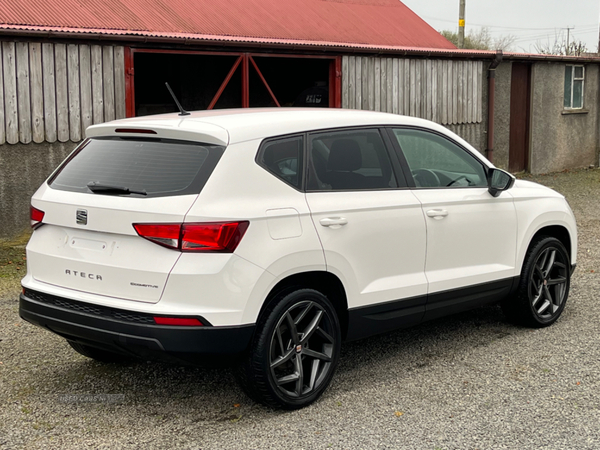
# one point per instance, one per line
(461, 24)
(568, 49)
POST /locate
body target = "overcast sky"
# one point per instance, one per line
(529, 20)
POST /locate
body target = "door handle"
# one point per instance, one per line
(437, 214)
(333, 222)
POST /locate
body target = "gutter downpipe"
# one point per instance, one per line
(489, 152)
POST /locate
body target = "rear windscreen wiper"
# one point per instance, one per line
(98, 188)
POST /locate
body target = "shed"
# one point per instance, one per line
(68, 64)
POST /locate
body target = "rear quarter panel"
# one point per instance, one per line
(281, 238)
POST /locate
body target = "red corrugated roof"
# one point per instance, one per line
(352, 23)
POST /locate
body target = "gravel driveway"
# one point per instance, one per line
(470, 381)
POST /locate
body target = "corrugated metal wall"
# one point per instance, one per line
(53, 92)
(444, 91)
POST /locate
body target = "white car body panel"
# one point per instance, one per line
(100, 263)
(538, 207)
(220, 294)
(281, 238)
(190, 129)
(108, 214)
(64, 253)
(225, 276)
(474, 243)
(380, 253)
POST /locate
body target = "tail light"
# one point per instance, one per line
(221, 237)
(37, 217)
(167, 234)
(178, 321)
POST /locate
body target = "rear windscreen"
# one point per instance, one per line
(158, 167)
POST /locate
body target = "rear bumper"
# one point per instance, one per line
(128, 332)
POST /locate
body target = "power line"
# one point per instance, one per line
(538, 36)
(563, 28)
(534, 34)
(556, 36)
(503, 27)
(589, 32)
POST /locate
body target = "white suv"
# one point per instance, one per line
(275, 235)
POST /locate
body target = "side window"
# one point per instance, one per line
(574, 82)
(434, 161)
(349, 160)
(283, 158)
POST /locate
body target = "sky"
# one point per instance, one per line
(529, 21)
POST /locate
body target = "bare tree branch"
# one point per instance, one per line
(482, 39)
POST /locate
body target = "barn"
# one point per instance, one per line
(68, 64)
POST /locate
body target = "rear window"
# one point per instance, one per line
(158, 167)
(283, 158)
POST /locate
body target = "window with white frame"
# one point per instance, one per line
(574, 83)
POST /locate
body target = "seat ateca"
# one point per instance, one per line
(272, 235)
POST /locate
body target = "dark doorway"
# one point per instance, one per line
(194, 79)
(292, 81)
(520, 117)
(206, 80)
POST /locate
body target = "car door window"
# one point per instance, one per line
(349, 160)
(283, 158)
(437, 162)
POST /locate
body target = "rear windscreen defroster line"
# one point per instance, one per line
(156, 167)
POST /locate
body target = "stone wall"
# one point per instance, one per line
(560, 139)
(23, 168)
(502, 115)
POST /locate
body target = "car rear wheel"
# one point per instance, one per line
(294, 352)
(98, 354)
(544, 285)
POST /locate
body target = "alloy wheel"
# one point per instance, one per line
(301, 349)
(548, 283)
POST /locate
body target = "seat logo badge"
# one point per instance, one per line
(81, 217)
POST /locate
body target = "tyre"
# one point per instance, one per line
(544, 285)
(98, 354)
(294, 352)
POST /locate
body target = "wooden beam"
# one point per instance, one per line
(264, 81)
(49, 92)
(23, 92)
(225, 83)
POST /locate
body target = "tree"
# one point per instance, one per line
(560, 47)
(482, 39)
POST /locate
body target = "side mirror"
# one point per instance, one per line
(499, 181)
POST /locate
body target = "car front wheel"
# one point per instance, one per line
(294, 352)
(544, 285)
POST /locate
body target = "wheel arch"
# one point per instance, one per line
(325, 282)
(558, 231)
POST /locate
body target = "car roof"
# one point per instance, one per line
(229, 126)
